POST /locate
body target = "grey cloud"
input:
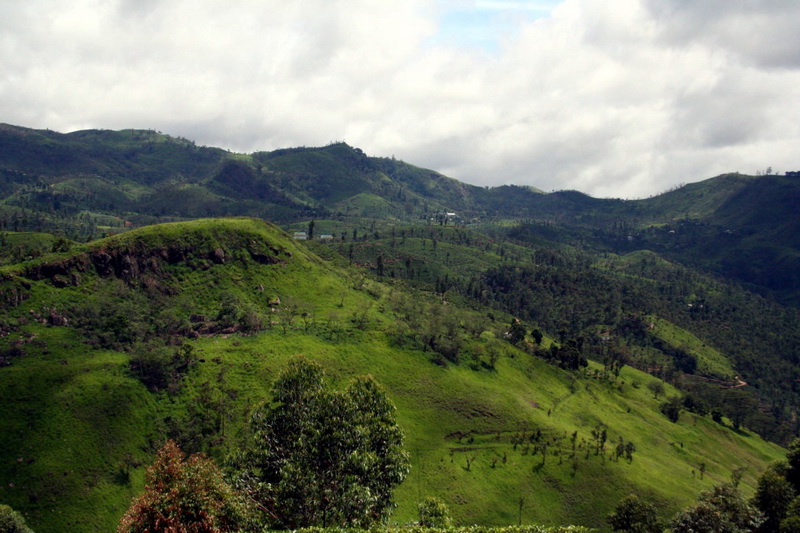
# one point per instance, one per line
(622, 99)
(760, 33)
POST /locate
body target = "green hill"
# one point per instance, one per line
(76, 184)
(177, 331)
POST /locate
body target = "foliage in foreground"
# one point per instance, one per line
(452, 529)
(187, 495)
(635, 516)
(433, 512)
(323, 458)
(719, 510)
(777, 493)
(11, 521)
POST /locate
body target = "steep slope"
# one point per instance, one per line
(177, 330)
(660, 316)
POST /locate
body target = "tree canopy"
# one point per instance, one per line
(318, 457)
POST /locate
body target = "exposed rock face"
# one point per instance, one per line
(139, 264)
(13, 290)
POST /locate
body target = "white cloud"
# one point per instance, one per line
(616, 99)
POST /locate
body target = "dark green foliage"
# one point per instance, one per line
(695, 405)
(773, 496)
(433, 512)
(656, 387)
(323, 458)
(791, 524)
(672, 408)
(635, 515)
(793, 461)
(186, 495)
(719, 510)
(11, 521)
(160, 367)
(569, 355)
(516, 332)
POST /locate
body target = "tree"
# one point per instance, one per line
(323, 458)
(672, 408)
(187, 495)
(773, 496)
(791, 524)
(657, 388)
(634, 515)
(11, 521)
(433, 512)
(516, 332)
(719, 510)
(793, 467)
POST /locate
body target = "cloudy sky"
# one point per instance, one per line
(617, 99)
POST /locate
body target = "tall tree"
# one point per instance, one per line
(323, 458)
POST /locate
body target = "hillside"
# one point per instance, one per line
(86, 184)
(178, 330)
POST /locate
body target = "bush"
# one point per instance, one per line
(672, 408)
(719, 510)
(433, 512)
(11, 521)
(185, 495)
(634, 515)
(161, 368)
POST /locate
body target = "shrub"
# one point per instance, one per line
(433, 512)
(11, 521)
(634, 515)
(186, 495)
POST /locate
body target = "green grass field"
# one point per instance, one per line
(79, 429)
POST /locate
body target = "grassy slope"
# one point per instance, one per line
(83, 421)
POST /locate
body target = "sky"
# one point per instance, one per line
(621, 99)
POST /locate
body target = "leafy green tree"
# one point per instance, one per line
(433, 512)
(719, 510)
(11, 521)
(790, 524)
(538, 336)
(793, 464)
(185, 495)
(634, 515)
(516, 332)
(672, 408)
(323, 458)
(773, 496)
(657, 388)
